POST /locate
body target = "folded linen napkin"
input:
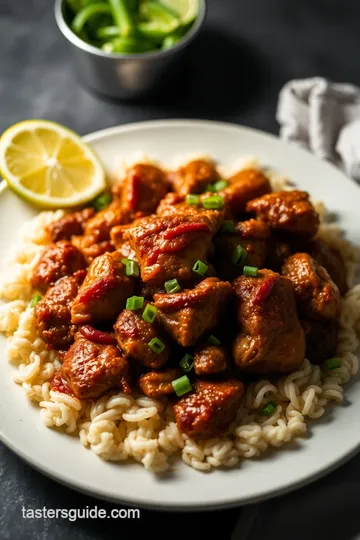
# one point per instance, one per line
(324, 118)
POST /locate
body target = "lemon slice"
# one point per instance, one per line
(49, 165)
(187, 10)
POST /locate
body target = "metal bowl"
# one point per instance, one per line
(127, 76)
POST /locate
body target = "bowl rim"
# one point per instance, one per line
(80, 44)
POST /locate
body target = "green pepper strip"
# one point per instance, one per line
(87, 13)
(122, 16)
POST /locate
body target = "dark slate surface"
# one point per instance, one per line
(246, 52)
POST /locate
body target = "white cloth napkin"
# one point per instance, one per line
(325, 118)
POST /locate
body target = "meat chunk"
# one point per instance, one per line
(243, 187)
(194, 177)
(104, 292)
(99, 227)
(52, 313)
(189, 314)
(70, 225)
(251, 235)
(168, 247)
(277, 253)
(90, 368)
(57, 260)
(90, 248)
(321, 339)
(271, 338)
(290, 212)
(158, 383)
(143, 188)
(121, 244)
(209, 359)
(133, 335)
(210, 409)
(330, 259)
(315, 292)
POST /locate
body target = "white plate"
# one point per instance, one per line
(330, 441)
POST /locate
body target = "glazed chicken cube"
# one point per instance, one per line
(158, 383)
(104, 292)
(210, 409)
(244, 186)
(57, 260)
(210, 359)
(290, 212)
(188, 315)
(330, 259)
(143, 188)
(90, 368)
(99, 227)
(90, 248)
(52, 313)
(315, 292)
(271, 338)
(321, 339)
(194, 177)
(70, 225)
(168, 247)
(134, 336)
(121, 244)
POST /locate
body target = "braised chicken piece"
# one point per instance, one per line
(210, 409)
(252, 236)
(189, 314)
(99, 227)
(135, 337)
(210, 359)
(121, 244)
(90, 248)
(158, 383)
(91, 368)
(290, 212)
(243, 187)
(104, 292)
(70, 225)
(168, 247)
(143, 188)
(57, 260)
(194, 177)
(315, 292)
(52, 313)
(321, 339)
(271, 338)
(330, 259)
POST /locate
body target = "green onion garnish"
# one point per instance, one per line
(269, 409)
(125, 261)
(333, 363)
(210, 188)
(239, 255)
(134, 302)
(213, 340)
(200, 268)
(149, 314)
(250, 271)
(102, 201)
(192, 199)
(35, 299)
(213, 203)
(182, 385)
(172, 286)
(132, 269)
(187, 362)
(220, 185)
(228, 226)
(156, 345)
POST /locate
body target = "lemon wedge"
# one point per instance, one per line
(49, 165)
(187, 10)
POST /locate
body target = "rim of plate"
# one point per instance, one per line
(101, 493)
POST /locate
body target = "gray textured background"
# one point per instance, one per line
(246, 52)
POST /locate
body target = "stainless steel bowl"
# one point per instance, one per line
(127, 76)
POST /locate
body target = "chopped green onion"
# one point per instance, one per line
(125, 261)
(213, 340)
(192, 199)
(134, 302)
(132, 269)
(200, 268)
(209, 188)
(102, 201)
(220, 185)
(149, 314)
(333, 363)
(156, 345)
(269, 409)
(239, 255)
(187, 363)
(251, 271)
(35, 299)
(172, 286)
(228, 226)
(182, 385)
(213, 203)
